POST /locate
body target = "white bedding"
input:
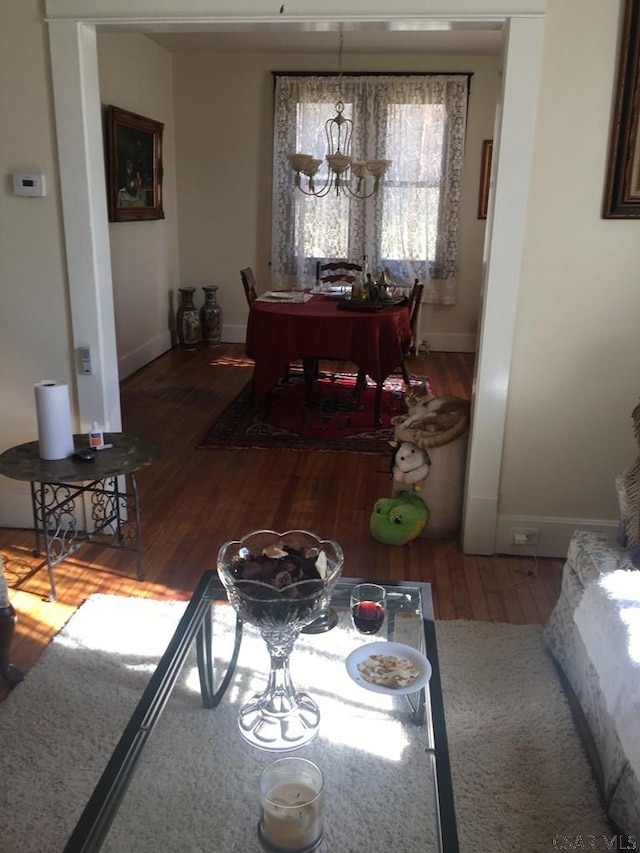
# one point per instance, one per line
(608, 620)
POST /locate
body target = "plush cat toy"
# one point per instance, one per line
(396, 521)
(431, 421)
(411, 465)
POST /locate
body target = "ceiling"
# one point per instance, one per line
(462, 39)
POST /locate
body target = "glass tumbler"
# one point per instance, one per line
(368, 606)
(291, 806)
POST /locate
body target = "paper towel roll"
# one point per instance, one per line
(55, 435)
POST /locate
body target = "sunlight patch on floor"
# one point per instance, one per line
(231, 361)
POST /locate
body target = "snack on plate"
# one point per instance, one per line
(388, 671)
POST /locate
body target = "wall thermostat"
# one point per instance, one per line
(32, 185)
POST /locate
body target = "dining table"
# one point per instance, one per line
(282, 331)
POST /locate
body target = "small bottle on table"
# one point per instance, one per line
(363, 288)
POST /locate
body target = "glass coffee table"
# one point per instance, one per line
(182, 777)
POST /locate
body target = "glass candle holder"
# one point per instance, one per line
(291, 806)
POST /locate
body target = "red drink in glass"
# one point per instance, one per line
(368, 616)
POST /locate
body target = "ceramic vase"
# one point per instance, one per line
(211, 317)
(187, 320)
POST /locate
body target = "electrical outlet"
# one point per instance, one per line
(524, 536)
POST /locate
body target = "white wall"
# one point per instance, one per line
(576, 359)
(136, 75)
(224, 120)
(34, 320)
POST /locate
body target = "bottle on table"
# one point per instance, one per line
(364, 287)
(372, 289)
(96, 437)
(8, 621)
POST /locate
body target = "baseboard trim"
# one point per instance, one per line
(147, 352)
(554, 533)
(449, 341)
(234, 334)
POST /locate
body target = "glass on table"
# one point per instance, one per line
(368, 606)
(291, 806)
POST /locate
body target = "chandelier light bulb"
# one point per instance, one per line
(312, 167)
(299, 162)
(338, 163)
(359, 169)
(378, 168)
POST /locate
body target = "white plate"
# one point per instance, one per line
(400, 651)
(280, 294)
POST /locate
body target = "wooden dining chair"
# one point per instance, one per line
(331, 272)
(415, 300)
(409, 349)
(249, 284)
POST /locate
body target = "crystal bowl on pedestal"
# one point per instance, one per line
(280, 582)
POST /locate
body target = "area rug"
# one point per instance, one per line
(521, 778)
(330, 419)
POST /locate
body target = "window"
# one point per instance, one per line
(411, 226)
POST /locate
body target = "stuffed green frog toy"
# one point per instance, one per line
(398, 520)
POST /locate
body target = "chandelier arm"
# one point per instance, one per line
(354, 194)
(321, 193)
(339, 184)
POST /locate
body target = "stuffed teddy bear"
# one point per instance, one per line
(411, 465)
(396, 521)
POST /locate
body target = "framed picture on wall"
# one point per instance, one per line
(622, 191)
(485, 175)
(134, 151)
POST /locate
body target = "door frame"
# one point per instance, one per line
(73, 27)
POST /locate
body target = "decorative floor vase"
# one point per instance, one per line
(188, 320)
(211, 317)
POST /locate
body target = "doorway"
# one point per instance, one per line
(78, 121)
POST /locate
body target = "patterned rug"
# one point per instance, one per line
(330, 419)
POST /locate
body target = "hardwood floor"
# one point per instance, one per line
(192, 500)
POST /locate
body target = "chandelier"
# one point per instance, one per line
(341, 166)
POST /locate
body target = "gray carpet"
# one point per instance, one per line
(520, 774)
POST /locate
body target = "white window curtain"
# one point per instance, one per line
(411, 227)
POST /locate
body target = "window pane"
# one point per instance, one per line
(324, 226)
(409, 223)
(415, 139)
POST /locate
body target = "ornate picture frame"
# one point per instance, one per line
(622, 191)
(485, 175)
(134, 145)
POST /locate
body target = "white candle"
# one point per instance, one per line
(292, 816)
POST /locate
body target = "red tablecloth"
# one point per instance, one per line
(279, 333)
